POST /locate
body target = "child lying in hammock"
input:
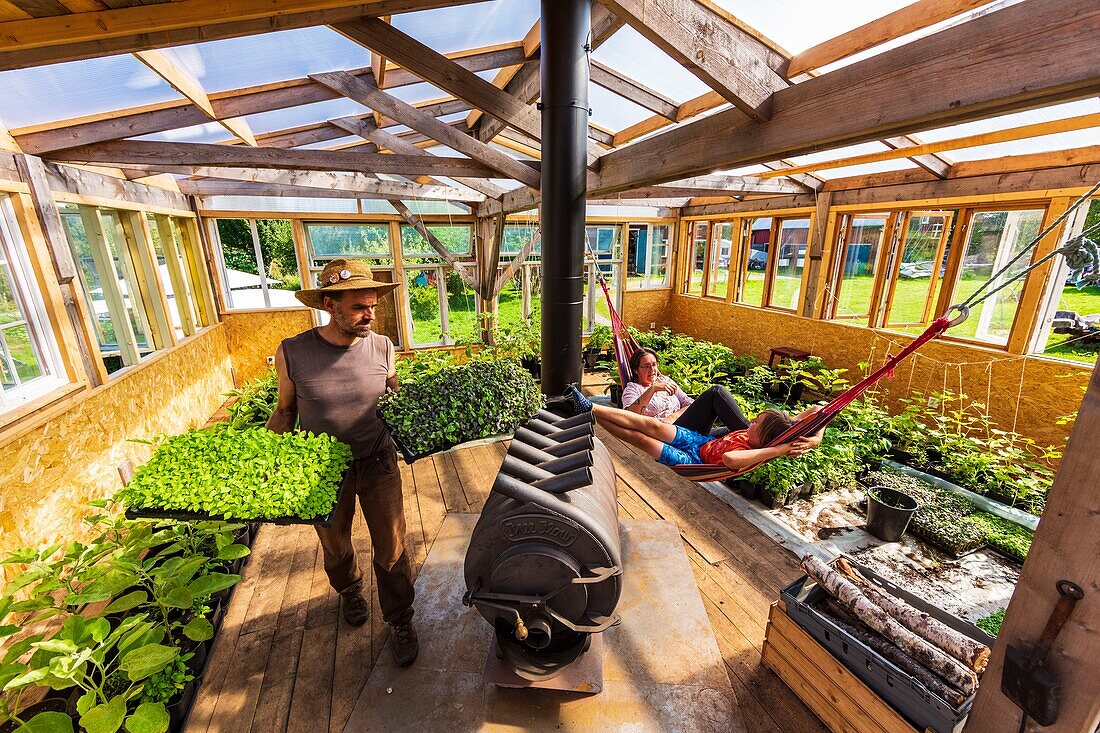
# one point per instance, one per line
(673, 445)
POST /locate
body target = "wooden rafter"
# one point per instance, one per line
(1022, 132)
(180, 78)
(812, 183)
(636, 92)
(388, 141)
(364, 92)
(532, 42)
(125, 30)
(378, 65)
(150, 119)
(141, 152)
(437, 69)
(934, 163)
(722, 54)
(908, 19)
(991, 65)
(328, 180)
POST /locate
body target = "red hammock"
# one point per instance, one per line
(625, 345)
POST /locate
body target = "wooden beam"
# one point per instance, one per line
(1050, 127)
(532, 42)
(815, 251)
(223, 187)
(440, 71)
(416, 223)
(364, 92)
(636, 92)
(7, 142)
(723, 55)
(913, 17)
(1066, 546)
(180, 78)
(526, 85)
(356, 182)
(994, 64)
(68, 181)
(150, 119)
(140, 27)
(812, 183)
(141, 152)
(33, 173)
(369, 131)
(931, 162)
(378, 64)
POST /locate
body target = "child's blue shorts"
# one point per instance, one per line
(684, 448)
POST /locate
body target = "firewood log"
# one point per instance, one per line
(839, 587)
(844, 620)
(973, 654)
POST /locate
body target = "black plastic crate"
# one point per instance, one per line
(925, 710)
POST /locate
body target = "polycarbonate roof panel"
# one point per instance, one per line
(470, 26)
(211, 132)
(1019, 119)
(612, 111)
(631, 54)
(282, 203)
(1043, 144)
(234, 63)
(864, 169)
(799, 24)
(77, 89)
(306, 114)
(835, 153)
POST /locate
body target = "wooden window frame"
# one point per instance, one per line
(887, 245)
(773, 261)
(894, 268)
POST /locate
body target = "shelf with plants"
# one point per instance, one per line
(114, 633)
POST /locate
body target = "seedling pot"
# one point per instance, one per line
(888, 512)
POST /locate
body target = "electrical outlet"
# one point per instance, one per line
(652, 325)
(933, 403)
(271, 361)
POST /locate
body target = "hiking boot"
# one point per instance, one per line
(406, 645)
(575, 400)
(354, 607)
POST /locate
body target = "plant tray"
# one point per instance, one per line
(909, 697)
(186, 516)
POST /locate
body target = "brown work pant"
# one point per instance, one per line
(377, 483)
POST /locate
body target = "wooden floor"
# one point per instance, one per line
(284, 661)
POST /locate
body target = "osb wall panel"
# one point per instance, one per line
(643, 307)
(1029, 393)
(255, 335)
(49, 473)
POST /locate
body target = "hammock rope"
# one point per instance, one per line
(1082, 255)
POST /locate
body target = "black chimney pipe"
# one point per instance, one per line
(566, 25)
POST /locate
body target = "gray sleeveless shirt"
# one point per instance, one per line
(338, 387)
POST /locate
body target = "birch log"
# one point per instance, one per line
(844, 620)
(839, 587)
(973, 654)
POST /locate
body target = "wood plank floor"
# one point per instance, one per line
(284, 661)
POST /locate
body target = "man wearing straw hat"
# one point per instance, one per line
(330, 379)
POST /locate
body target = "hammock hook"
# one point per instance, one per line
(963, 314)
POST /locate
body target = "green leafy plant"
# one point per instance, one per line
(249, 473)
(1008, 537)
(991, 624)
(423, 302)
(461, 403)
(600, 339)
(420, 364)
(255, 401)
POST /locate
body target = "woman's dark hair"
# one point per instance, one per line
(773, 423)
(636, 358)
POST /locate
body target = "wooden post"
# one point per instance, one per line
(180, 288)
(1066, 546)
(815, 250)
(488, 252)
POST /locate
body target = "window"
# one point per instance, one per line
(521, 296)
(179, 276)
(756, 266)
(862, 238)
(30, 364)
(604, 245)
(258, 266)
(1074, 310)
(111, 252)
(697, 258)
(789, 258)
(647, 256)
(369, 242)
(722, 254)
(992, 239)
(441, 306)
(917, 274)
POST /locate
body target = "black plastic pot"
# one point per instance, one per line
(180, 706)
(617, 395)
(770, 500)
(590, 359)
(888, 522)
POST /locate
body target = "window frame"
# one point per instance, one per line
(887, 245)
(30, 303)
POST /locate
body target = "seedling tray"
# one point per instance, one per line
(186, 516)
(905, 694)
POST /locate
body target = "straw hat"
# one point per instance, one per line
(344, 275)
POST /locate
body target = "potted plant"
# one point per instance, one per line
(598, 343)
(888, 512)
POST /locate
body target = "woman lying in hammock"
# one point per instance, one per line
(673, 445)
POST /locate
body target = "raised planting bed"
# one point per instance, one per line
(226, 473)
